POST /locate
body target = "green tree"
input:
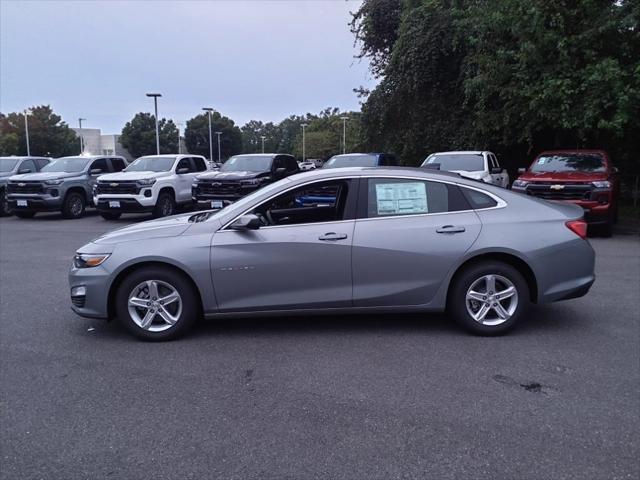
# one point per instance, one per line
(196, 136)
(48, 134)
(139, 135)
(252, 133)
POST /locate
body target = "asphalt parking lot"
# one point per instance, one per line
(323, 397)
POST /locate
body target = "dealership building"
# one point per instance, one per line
(97, 144)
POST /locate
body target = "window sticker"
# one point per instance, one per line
(401, 198)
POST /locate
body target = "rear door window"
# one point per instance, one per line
(118, 164)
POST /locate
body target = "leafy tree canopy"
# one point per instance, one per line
(48, 134)
(196, 136)
(139, 135)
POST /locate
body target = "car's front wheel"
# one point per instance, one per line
(165, 206)
(488, 298)
(73, 206)
(157, 304)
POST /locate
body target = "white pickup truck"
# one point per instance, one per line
(477, 165)
(155, 183)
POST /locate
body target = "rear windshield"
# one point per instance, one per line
(247, 163)
(8, 164)
(363, 160)
(569, 162)
(151, 164)
(468, 162)
(67, 164)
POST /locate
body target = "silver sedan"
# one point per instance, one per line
(362, 240)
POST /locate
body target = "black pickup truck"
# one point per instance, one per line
(239, 176)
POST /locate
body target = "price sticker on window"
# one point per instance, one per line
(401, 198)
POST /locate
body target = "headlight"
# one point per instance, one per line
(147, 181)
(57, 181)
(602, 184)
(520, 183)
(251, 182)
(88, 260)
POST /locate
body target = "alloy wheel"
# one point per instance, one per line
(154, 305)
(491, 299)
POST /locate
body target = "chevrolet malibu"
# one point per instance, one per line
(353, 240)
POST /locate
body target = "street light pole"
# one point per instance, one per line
(26, 130)
(303, 125)
(344, 134)
(81, 137)
(209, 111)
(178, 124)
(155, 104)
(262, 137)
(218, 135)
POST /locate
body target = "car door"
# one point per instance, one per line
(408, 235)
(184, 180)
(496, 178)
(300, 258)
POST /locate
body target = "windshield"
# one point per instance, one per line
(151, 164)
(569, 162)
(468, 162)
(363, 160)
(247, 163)
(67, 164)
(8, 164)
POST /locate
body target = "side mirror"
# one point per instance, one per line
(248, 221)
(182, 170)
(496, 170)
(281, 171)
(25, 170)
(521, 171)
(95, 171)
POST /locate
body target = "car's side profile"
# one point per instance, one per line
(341, 240)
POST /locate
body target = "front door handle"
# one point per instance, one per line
(332, 236)
(450, 229)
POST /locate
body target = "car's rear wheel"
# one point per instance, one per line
(22, 214)
(73, 206)
(157, 304)
(165, 206)
(110, 215)
(488, 298)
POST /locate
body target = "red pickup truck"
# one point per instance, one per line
(584, 177)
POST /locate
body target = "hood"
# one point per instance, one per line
(479, 175)
(5, 174)
(132, 175)
(563, 176)
(242, 175)
(162, 227)
(41, 176)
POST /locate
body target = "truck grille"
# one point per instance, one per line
(118, 188)
(25, 187)
(569, 191)
(218, 188)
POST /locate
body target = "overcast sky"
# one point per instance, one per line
(256, 59)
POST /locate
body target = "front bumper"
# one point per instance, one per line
(34, 202)
(94, 302)
(127, 204)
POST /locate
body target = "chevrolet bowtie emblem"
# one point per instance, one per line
(216, 184)
(22, 184)
(113, 184)
(556, 187)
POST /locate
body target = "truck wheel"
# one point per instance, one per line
(156, 303)
(5, 209)
(110, 215)
(488, 298)
(73, 206)
(20, 214)
(165, 206)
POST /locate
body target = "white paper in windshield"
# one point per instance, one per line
(401, 198)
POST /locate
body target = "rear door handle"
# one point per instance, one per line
(450, 229)
(332, 236)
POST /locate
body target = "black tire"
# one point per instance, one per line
(189, 301)
(110, 215)
(74, 205)
(5, 209)
(458, 307)
(165, 206)
(22, 214)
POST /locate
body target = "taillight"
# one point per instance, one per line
(579, 227)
